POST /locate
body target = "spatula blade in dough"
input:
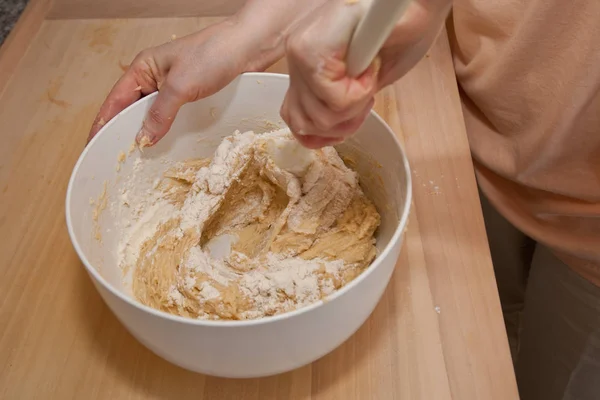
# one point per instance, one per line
(290, 155)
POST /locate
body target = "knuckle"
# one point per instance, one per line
(155, 117)
(141, 65)
(297, 45)
(323, 122)
(283, 112)
(136, 67)
(344, 102)
(340, 99)
(291, 45)
(348, 128)
(141, 58)
(297, 125)
(338, 103)
(181, 89)
(335, 99)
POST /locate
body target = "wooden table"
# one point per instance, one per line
(436, 334)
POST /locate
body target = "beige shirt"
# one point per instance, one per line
(529, 71)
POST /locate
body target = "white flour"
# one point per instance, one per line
(273, 282)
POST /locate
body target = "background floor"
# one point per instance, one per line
(10, 10)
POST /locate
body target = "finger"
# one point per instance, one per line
(323, 118)
(344, 129)
(349, 128)
(338, 133)
(293, 114)
(124, 93)
(346, 92)
(160, 116)
(284, 110)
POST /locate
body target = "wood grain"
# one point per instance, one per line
(73, 9)
(457, 257)
(57, 338)
(16, 44)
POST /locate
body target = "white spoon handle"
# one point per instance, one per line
(372, 31)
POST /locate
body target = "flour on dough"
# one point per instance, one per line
(293, 236)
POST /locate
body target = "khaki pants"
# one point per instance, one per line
(552, 316)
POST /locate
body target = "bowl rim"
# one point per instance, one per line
(234, 323)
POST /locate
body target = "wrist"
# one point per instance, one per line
(263, 26)
(259, 35)
(261, 44)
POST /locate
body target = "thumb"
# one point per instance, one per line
(160, 116)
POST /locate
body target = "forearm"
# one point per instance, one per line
(423, 19)
(262, 26)
(412, 37)
(265, 24)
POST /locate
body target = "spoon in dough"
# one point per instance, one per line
(370, 34)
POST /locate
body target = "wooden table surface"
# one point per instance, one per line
(436, 334)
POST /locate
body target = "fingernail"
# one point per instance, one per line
(144, 139)
(376, 66)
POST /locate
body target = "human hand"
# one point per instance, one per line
(323, 105)
(183, 70)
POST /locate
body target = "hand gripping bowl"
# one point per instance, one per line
(237, 349)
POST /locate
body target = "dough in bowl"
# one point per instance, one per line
(239, 237)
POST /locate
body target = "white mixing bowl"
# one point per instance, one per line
(235, 348)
